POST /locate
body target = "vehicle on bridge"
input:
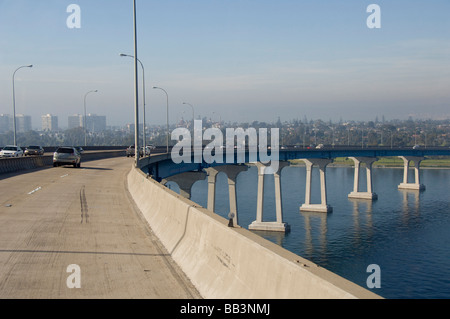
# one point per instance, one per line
(11, 151)
(147, 150)
(34, 150)
(130, 151)
(67, 156)
(143, 151)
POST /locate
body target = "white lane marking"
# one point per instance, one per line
(34, 190)
(64, 175)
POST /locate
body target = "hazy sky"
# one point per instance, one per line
(238, 60)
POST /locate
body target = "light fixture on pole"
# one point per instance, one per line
(85, 119)
(14, 100)
(167, 115)
(143, 87)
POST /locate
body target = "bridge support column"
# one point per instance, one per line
(416, 185)
(185, 181)
(369, 194)
(212, 176)
(232, 171)
(323, 207)
(259, 224)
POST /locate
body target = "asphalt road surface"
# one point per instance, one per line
(75, 233)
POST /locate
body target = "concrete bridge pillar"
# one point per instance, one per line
(259, 224)
(416, 185)
(185, 181)
(232, 171)
(368, 194)
(323, 207)
(211, 172)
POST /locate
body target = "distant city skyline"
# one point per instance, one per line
(242, 61)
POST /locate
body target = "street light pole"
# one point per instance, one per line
(14, 100)
(143, 95)
(167, 115)
(136, 92)
(85, 119)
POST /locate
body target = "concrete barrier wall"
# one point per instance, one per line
(11, 165)
(224, 262)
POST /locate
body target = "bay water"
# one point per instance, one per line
(405, 233)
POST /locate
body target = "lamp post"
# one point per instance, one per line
(136, 91)
(14, 100)
(143, 95)
(85, 119)
(167, 115)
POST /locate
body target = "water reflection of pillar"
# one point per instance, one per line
(406, 209)
(259, 223)
(309, 246)
(323, 207)
(357, 210)
(416, 185)
(185, 181)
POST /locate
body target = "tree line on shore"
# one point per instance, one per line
(294, 132)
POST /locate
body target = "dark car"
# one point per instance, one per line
(34, 150)
(67, 156)
(130, 151)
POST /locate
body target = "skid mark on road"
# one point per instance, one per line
(84, 206)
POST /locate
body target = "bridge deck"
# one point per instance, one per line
(52, 218)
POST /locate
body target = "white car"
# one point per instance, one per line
(147, 151)
(11, 151)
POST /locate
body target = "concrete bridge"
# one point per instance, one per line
(132, 237)
(163, 169)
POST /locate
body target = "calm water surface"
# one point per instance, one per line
(406, 233)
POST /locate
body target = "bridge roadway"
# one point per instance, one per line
(56, 217)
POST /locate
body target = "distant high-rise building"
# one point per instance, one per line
(75, 121)
(95, 123)
(49, 122)
(5, 123)
(23, 123)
